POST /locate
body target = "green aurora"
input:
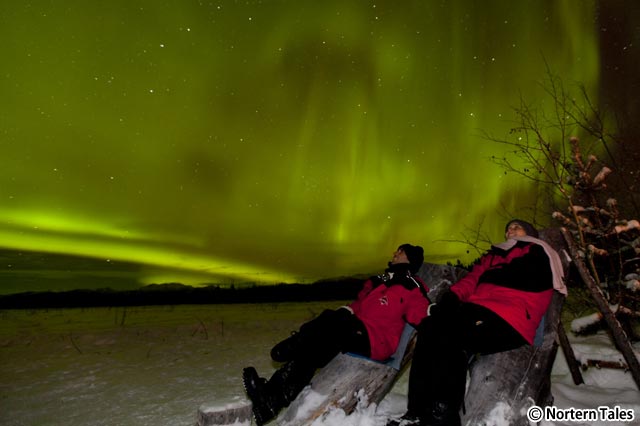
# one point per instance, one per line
(266, 141)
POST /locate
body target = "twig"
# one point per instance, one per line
(204, 328)
(73, 342)
(569, 356)
(619, 336)
(618, 365)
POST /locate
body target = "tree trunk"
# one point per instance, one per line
(570, 356)
(619, 336)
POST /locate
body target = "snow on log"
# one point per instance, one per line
(343, 384)
(579, 325)
(236, 414)
(347, 381)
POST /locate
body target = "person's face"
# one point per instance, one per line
(515, 230)
(399, 256)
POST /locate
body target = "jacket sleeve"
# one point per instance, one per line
(366, 289)
(466, 286)
(418, 304)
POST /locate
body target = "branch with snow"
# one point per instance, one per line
(579, 325)
(598, 181)
(597, 251)
(563, 219)
(632, 282)
(627, 226)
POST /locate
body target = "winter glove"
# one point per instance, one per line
(447, 305)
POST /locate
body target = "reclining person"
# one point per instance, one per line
(496, 307)
(370, 326)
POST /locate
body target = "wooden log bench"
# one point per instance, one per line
(341, 384)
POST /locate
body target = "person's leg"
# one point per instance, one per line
(268, 397)
(288, 349)
(485, 332)
(351, 335)
(324, 337)
(438, 372)
(320, 340)
(337, 331)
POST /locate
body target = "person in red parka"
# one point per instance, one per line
(496, 307)
(370, 326)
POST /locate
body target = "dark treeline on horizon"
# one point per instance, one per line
(179, 294)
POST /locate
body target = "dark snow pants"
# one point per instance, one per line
(317, 342)
(332, 332)
(443, 350)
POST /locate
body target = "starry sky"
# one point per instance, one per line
(263, 141)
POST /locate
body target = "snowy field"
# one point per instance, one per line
(153, 366)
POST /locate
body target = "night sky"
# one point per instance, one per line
(291, 140)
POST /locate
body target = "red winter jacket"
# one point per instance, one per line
(385, 309)
(515, 284)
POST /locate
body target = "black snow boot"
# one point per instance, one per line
(436, 414)
(290, 379)
(287, 349)
(270, 396)
(442, 413)
(265, 404)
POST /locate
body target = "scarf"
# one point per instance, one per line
(554, 260)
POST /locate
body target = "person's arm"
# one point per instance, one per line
(466, 286)
(527, 268)
(366, 289)
(418, 304)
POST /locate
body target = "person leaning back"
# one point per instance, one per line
(371, 326)
(496, 307)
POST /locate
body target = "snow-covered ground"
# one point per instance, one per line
(155, 366)
(602, 387)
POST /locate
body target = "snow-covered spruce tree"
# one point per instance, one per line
(572, 183)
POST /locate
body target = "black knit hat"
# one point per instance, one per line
(528, 228)
(415, 254)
